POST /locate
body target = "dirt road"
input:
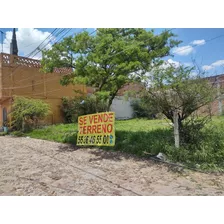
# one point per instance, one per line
(37, 167)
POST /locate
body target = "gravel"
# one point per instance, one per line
(38, 167)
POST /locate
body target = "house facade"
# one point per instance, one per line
(217, 106)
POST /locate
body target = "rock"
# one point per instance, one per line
(161, 156)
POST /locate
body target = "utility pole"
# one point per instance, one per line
(219, 97)
(2, 34)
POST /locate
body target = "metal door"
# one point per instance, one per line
(4, 112)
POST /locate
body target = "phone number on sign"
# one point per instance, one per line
(95, 140)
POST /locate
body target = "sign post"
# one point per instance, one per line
(96, 129)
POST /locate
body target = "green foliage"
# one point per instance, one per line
(191, 131)
(3, 133)
(58, 133)
(110, 58)
(17, 133)
(208, 155)
(82, 105)
(143, 107)
(173, 88)
(27, 112)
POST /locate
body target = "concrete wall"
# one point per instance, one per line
(122, 108)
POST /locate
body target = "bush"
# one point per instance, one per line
(3, 133)
(17, 133)
(192, 131)
(143, 109)
(81, 105)
(203, 148)
(27, 112)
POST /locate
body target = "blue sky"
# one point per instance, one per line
(197, 45)
(208, 51)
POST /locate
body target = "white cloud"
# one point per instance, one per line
(183, 51)
(198, 42)
(174, 63)
(28, 39)
(170, 62)
(207, 67)
(218, 63)
(213, 65)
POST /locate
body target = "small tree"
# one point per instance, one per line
(176, 94)
(27, 112)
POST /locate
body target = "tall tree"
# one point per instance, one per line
(110, 58)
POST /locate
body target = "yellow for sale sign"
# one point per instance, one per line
(96, 129)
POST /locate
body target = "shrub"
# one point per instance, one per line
(27, 112)
(202, 148)
(17, 133)
(3, 133)
(81, 105)
(192, 131)
(143, 109)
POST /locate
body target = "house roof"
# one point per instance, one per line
(132, 86)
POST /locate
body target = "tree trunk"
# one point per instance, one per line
(109, 103)
(111, 98)
(176, 129)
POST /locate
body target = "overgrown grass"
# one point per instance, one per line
(3, 133)
(138, 136)
(67, 133)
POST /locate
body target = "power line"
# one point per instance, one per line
(40, 49)
(127, 47)
(51, 34)
(11, 88)
(11, 72)
(30, 44)
(132, 46)
(195, 45)
(38, 46)
(36, 53)
(90, 34)
(66, 74)
(55, 43)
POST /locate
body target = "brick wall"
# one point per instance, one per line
(22, 77)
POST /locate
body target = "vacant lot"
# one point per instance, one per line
(38, 167)
(205, 149)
